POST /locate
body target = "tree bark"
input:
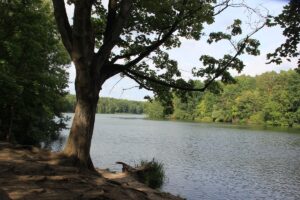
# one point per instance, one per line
(79, 141)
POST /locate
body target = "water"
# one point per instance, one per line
(204, 161)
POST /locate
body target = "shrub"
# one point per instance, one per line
(153, 174)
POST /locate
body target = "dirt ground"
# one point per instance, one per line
(30, 173)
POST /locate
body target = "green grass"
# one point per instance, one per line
(154, 175)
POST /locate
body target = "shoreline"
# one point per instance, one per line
(28, 172)
(250, 126)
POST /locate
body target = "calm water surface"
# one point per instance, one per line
(204, 161)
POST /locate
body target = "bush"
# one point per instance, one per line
(257, 118)
(153, 175)
(155, 110)
(204, 119)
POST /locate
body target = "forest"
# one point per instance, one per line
(270, 98)
(33, 74)
(108, 105)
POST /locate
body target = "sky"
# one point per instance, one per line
(190, 51)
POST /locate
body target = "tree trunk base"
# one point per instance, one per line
(66, 160)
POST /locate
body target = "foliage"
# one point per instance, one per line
(153, 175)
(155, 110)
(70, 103)
(184, 105)
(134, 38)
(109, 105)
(271, 98)
(32, 74)
(289, 20)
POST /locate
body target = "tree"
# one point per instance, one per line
(270, 98)
(104, 42)
(289, 20)
(32, 74)
(283, 100)
(185, 106)
(155, 110)
(205, 108)
(248, 103)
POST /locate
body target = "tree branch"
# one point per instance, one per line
(115, 85)
(113, 29)
(84, 40)
(63, 24)
(153, 47)
(138, 81)
(225, 4)
(111, 17)
(157, 81)
(127, 55)
(221, 70)
(159, 42)
(172, 85)
(161, 38)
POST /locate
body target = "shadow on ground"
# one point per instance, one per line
(30, 173)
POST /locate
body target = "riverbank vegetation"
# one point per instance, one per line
(154, 173)
(271, 98)
(108, 105)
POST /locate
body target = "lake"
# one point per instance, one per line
(204, 161)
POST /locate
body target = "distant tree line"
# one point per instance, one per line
(271, 98)
(109, 105)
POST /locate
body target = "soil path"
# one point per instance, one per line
(30, 173)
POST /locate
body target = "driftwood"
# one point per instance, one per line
(133, 170)
(126, 167)
(136, 173)
(149, 173)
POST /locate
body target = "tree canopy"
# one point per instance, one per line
(132, 38)
(126, 33)
(289, 21)
(32, 73)
(270, 99)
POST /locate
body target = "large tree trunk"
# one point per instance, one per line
(79, 140)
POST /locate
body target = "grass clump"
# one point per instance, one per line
(153, 173)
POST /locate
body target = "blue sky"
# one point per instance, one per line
(190, 51)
